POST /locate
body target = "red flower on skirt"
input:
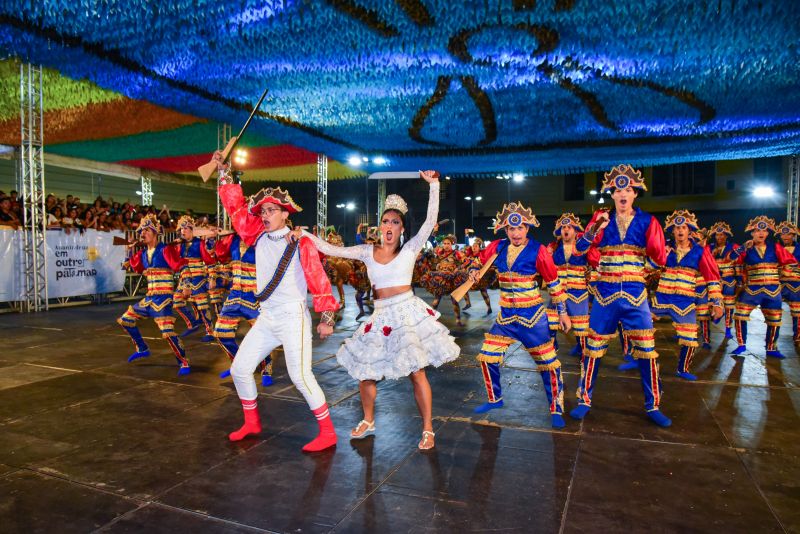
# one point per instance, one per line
(387, 330)
(430, 312)
(367, 327)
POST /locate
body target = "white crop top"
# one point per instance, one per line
(399, 271)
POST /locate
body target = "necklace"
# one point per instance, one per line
(275, 237)
(623, 222)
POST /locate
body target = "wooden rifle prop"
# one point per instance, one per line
(122, 242)
(464, 288)
(209, 232)
(207, 170)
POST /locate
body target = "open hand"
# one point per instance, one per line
(295, 234)
(429, 176)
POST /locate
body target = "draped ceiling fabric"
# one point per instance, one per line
(465, 87)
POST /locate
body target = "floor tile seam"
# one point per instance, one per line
(185, 511)
(588, 434)
(383, 482)
(486, 422)
(50, 474)
(572, 480)
(760, 491)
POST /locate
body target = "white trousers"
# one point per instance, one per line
(288, 325)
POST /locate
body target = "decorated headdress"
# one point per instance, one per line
(149, 221)
(623, 176)
(762, 222)
(449, 237)
(679, 217)
(567, 219)
(722, 227)
(786, 228)
(274, 195)
(514, 214)
(333, 238)
(395, 202)
(185, 221)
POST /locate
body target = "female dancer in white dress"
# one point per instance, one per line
(402, 336)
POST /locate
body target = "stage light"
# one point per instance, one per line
(446, 177)
(518, 177)
(350, 206)
(355, 161)
(601, 201)
(379, 160)
(763, 191)
(478, 198)
(593, 192)
(467, 198)
(364, 159)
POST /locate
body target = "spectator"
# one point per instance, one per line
(7, 215)
(54, 217)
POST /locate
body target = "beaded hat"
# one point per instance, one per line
(762, 222)
(567, 219)
(722, 227)
(186, 221)
(274, 195)
(149, 221)
(623, 176)
(786, 228)
(514, 214)
(679, 217)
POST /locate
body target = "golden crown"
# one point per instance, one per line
(395, 202)
(762, 222)
(623, 176)
(185, 221)
(679, 217)
(514, 214)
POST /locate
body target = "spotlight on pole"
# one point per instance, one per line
(467, 198)
(379, 160)
(355, 161)
(350, 206)
(478, 198)
(518, 177)
(763, 191)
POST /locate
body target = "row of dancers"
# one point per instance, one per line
(403, 335)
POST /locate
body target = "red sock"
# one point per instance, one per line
(327, 435)
(252, 421)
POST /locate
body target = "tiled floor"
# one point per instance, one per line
(90, 442)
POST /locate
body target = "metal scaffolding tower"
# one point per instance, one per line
(31, 186)
(381, 199)
(224, 135)
(322, 193)
(794, 190)
(147, 191)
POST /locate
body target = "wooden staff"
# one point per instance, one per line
(462, 290)
(207, 170)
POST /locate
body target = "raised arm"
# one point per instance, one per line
(352, 253)
(248, 226)
(418, 241)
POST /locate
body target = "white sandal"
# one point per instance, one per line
(354, 434)
(426, 434)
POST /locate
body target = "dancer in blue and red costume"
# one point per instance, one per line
(623, 239)
(676, 297)
(241, 303)
(572, 270)
(790, 276)
(219, 276)
(285, 274)
(157, 262)
(762, 261)
(523, 315)
(721, 248)
(191, 297)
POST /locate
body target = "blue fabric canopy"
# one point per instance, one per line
(473, 87)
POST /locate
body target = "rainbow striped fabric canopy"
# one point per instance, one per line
(465, 87)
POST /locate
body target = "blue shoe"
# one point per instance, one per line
(775, 354)
(225, 374)
(556, 421)
(184, 371)
(485, 407)
(207, 339)
(686, 376)
(139, 354)
(659, 418)
(580, 412)
(628, 364)
(728, 333)
(189, 331)
(576, 350)
(739, 350)
(266, 381)
(707, 345)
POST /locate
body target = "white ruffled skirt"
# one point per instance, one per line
(403, 335)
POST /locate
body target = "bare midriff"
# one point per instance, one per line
(386, 292)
